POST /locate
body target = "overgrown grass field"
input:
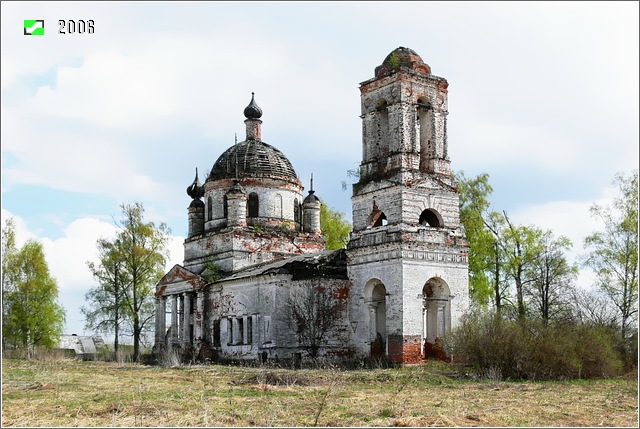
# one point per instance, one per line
(75, 393)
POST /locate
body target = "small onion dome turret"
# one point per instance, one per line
(252, 111)
(195, 190)
(311, 198)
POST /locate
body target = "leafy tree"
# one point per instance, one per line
(485, 232)
(612, 253)
(495, 223)
(553, 277)
(107, 310)
(9, 251)
(32, 316)
(138, 254)
(474, 205)
(335, 228)
(522, 247)
(502, 255)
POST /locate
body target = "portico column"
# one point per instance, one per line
(186, 312)
(441, 322)
(174, 319)
(163, 318)
(372, 322)
(198, 316)
(157, 325)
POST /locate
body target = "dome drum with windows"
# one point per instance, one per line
(257, 176)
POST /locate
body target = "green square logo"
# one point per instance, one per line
(34, 27)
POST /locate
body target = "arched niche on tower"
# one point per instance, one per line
(436, 296)
(424, 118)
(375, 294)
(431, 217)
(381, 147)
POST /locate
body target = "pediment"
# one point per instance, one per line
(179, 279)
(434, 182)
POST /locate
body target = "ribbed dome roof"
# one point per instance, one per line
(253, 158)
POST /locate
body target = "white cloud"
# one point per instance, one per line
(571, 219)
(68, 255)
(176, 252)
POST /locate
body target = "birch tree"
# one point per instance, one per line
(612, 253)
(134, 262)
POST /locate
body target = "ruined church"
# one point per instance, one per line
(257, 283)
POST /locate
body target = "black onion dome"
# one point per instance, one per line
(311, 198)
(253, 159)
(402, 58)
(252, 111)
(195, 190)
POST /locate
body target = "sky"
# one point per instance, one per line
(543, 97)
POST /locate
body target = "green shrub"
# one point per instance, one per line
(533, 350)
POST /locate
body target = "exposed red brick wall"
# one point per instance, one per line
(405, 349)
(435, 351)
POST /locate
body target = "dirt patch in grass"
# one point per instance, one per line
(75, 393)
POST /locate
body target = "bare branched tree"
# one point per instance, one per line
(315, 311)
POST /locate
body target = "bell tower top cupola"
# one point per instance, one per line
(253, 113)
(402, 58)
(404, 111)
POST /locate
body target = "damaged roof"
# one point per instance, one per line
(327, 264)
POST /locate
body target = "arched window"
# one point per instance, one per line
(209, 208)
(424, 112)
(225, 207)
(381, 149)
(430, 217)
(252, 205)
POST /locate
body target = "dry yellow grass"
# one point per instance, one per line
(71, 393)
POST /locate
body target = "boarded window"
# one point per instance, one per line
(240, 334)
(252, 205)
(216, 333)
(249, 339)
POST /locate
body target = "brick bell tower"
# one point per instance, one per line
(408, 253)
